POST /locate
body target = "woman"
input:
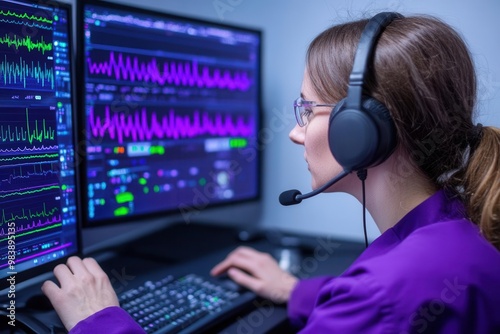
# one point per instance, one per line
(435, 199)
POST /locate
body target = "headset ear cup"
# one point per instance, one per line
(360, 139)
(387, 138)
(361, 132)
(336, 109)
(332, 138)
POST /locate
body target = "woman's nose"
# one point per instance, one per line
(297, 134)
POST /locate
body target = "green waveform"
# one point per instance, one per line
(29, 192)
(13, 72)
(27, 134)
(29, 215)
(38, 156)
(18, 235)
(26, 16)
(26, 42)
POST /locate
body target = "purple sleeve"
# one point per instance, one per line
(346, 305)
(303, 299)
(110, 320)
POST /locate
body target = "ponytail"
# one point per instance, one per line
(482, 185)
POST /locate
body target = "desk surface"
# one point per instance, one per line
(177, 249)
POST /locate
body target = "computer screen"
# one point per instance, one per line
(171, 112)
(38, 198)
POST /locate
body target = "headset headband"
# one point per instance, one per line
(368, 39)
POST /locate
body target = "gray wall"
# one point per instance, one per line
(288, 26)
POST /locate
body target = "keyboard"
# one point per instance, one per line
(186, 304)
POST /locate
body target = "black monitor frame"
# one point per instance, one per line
(84, 141)
(28, 274)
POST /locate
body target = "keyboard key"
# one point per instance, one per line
(170, 305)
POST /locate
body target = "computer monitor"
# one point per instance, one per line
(171, 113)
(38, 196)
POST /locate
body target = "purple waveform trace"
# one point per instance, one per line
(172, 73)
(34, 225)
(139, 126)
(28, 174)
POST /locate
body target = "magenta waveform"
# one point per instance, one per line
(141, 126)
(172, 73)
(34, 225)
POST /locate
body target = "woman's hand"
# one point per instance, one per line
(258, 272)
(84, 290)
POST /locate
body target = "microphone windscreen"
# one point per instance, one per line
(289, 197)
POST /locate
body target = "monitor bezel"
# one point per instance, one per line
(80, 39)
(28, 274)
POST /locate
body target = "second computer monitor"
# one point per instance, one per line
(39, 224)
(171, 112)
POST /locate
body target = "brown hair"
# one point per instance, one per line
(423, 72)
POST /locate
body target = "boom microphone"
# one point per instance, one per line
(293, 196)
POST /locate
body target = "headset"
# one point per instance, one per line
(361, 131)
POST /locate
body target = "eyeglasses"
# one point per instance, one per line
(303, 110)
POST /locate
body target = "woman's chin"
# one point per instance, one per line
(316, 184)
